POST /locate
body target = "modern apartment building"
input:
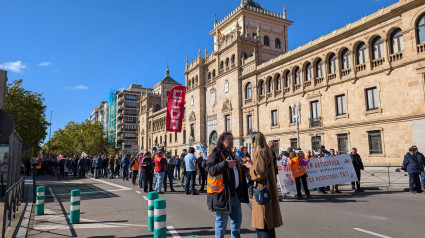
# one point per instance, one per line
(127, 113)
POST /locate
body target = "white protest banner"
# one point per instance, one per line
(321, 172)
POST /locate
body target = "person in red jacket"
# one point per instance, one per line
(160, 169)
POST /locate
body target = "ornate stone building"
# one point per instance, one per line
(359, 86)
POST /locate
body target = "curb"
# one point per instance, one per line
(23, 228)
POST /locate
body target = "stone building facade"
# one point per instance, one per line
(360, 86)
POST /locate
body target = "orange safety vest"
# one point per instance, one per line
(38, 165)
(297, 170)
(215, 184)
(135, 165)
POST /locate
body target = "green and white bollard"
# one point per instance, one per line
(74, 216)
(160, 218)
(151, 197)
(39, 206)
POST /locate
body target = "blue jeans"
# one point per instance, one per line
(159, 181)
(423, 178)
(140, 178)
(177, 172)
(124, 173)
(221, 219)
(169, 175)
(190, 180)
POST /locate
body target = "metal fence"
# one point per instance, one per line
(384, 176)
(12, 199)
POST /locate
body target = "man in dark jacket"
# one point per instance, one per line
(148, 168)
(421, 157)
(226, 187)
(202, 163)
(358, 165)
(125, 162)
(413, 164)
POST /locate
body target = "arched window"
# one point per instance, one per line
(227, 62)
(209, 75)
(319, 68)
(168, 92)
(308, 72)
(262, 88)
(188, 82)
(421, 29)
(361, 53)
(150, 125)
(345, 56)
(297, 76)
(196, 80)
(221, 65)
(270, 85)
(233, 59)
(397, 42)
(378, 48)
(278, 82)
(288, 79)
(213, 73)
(157, 107)
(332, 63)
(193, 81)
(277, 43)
(248, 91)
(266, 41)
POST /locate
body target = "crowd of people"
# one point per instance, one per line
(228, 175)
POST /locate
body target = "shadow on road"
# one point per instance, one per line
(344, 197)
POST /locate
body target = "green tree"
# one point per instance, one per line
(76, 138)
(28, 112)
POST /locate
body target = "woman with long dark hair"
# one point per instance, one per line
(265, 218)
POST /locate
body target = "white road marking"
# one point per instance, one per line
(109, 183)
(173, 232)
(63, 181)
(86, 226)
(138, 192)
(371, 233)
(146, 198)
(100, 191)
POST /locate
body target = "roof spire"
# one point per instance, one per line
(215, 21)
(206, 51)
(284, 11)
(167, 71)
(242, 2)
(199, 52)
(187, 60)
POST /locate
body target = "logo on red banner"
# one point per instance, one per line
(175, 109)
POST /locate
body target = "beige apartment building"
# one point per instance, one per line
(127, 111)
(359, 86)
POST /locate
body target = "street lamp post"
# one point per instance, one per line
(123, 146)
(296, 116)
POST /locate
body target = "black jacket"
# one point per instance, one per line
(413, 163)
(216, 165)
(357, 161)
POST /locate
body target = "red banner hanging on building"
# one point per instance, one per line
(175, 108)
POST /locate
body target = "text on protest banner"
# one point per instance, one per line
(175, 109)
(322, 172)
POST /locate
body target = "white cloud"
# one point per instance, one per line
(16, 66)
(45, 64)
(81, 87)
(78, 87)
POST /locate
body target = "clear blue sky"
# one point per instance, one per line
(74, 51)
